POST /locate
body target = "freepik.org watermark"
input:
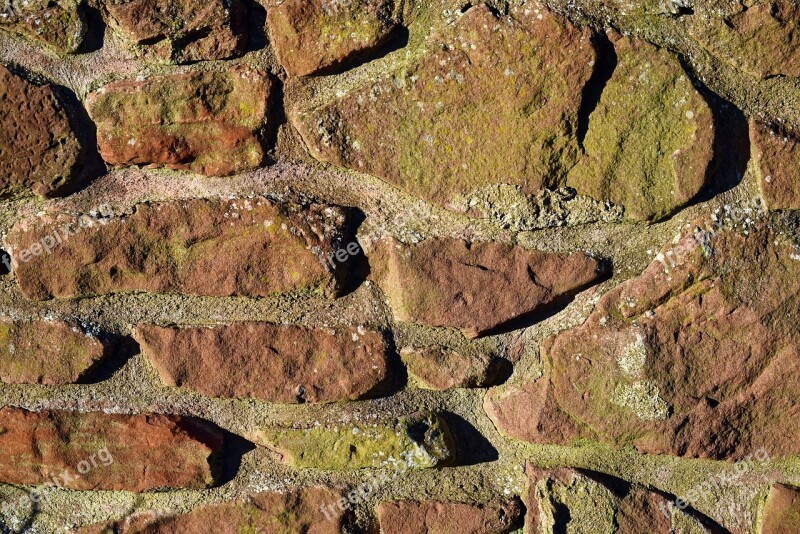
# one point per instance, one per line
(11, 509)
(343, 254)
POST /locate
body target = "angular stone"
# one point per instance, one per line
(183, 31)
(489, 100)
(564, 500)
(203, 121)
(696, 357)
(443, 282)
(650, 138)
(781, 511)
(310, 36)
(439, 368)
(408, 517)
(297, 510)
(38, 148)
(251, 247)
(418, 441)
(275, 363)
(107, 451)
(759, 37)
(777, 155)
(45, 352)
(57, 23)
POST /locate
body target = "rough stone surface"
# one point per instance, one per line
(490, 100)
(781, 511)
(443, 282)
(183, 31)
(207, 122)
(59, 24)
(696, 357)
(310, 36)
(439, 368)
(275, 363)
(408, 517)
(778, 157)
(760, 37)
(418, 441)
(39, 150)
(202, 247)
(45, 352)
(123, 452)
(650, 138)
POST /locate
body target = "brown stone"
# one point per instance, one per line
(408, 517)
(206, 122)
(59, 24)
(781, 511)
(650, 139)
(439, 368)
(45, 352)
(39, 150)
(183, 31)
(306, 510)
(313, 35)
(247, 247)
(275, 363)
(759, 37)
(475, 287)
(491, 99)
(696, 357)
(777, 154)
(106, 451)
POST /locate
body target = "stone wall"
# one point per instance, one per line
(400, 266)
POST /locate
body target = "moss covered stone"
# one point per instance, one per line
(60, 24)
(650, 138)
(777, 156)
(491, 99)
(417, 441)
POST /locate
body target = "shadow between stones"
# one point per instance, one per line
(603, 70)
(257, 38)
(354, 271)
(396, 373)
(118, 350)
(5, 263)
(397, 39)
(472, 447)
(95, 30)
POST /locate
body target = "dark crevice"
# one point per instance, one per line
(561, 518)
(473, 447)
(593, 90)
(256, 22)
(395, 40)
(354, 270)
(5, 263)
(95, 30)
(118, 350)
(277, 118)
(396, 374)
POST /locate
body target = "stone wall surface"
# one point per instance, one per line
(400, 266)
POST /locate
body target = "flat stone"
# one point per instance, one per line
(781, 511)
(440, 369)
(45, 352)
(418, 441)
(777, 154)
(311, 36)
(488, 100)
(99, 451)
(251, 247)
(696, 357)
(59, 24)
(275, 363)
(650, 138)
(409, 517)
(181, 31)
(206, 122)
(443, 282)
(40, 151)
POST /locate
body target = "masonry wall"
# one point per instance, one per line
(400, 266)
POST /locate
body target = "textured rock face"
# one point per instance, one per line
(696, 357)
(407, 517)
(439, 368)
(310, 36)
(491, 100)
(759, 37)
(57, 23)
(650, 138)
(39, 151)
(269, 362)
(43, 352)
(201, 247)
(205, 122)
(443, 282)
(103, 451)
(781, 511)
(778, 156)
(183, 31)
(418, 441)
